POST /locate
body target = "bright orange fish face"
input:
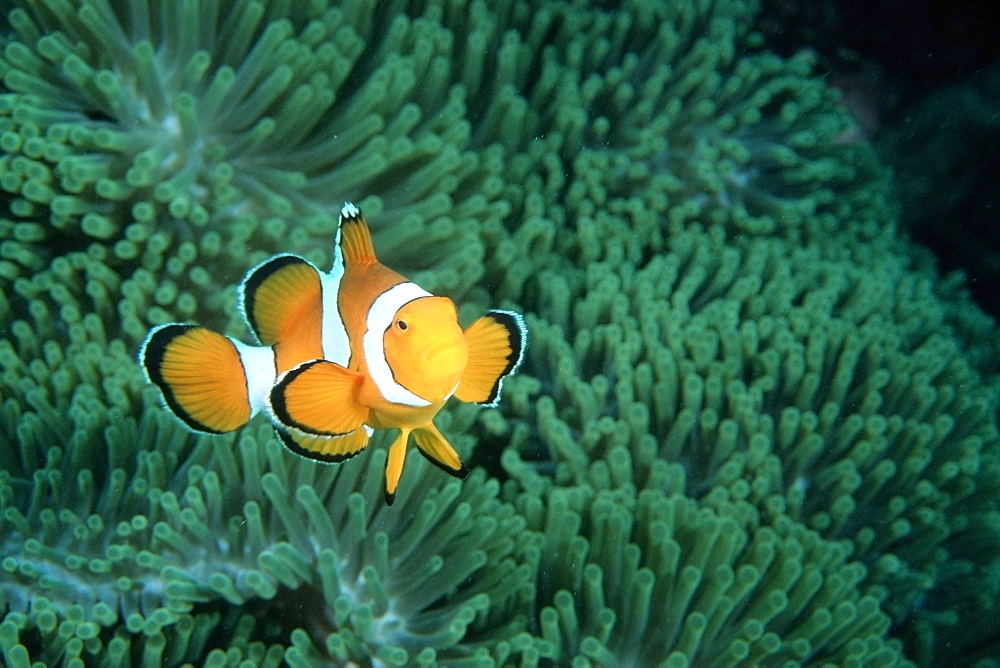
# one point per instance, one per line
(426, 349)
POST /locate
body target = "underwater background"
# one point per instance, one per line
(756, 424)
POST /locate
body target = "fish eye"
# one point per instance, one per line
(402, 325)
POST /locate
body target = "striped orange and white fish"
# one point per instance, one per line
(341, 354)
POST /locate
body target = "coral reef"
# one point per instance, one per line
(127, 540)
(827, 396)
(752, 424)
(151, 157)
(655, 578)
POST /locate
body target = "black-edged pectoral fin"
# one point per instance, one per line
(319, 398)
(496, 344)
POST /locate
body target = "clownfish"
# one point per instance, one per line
(340, 354)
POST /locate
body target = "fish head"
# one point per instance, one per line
(425, 348)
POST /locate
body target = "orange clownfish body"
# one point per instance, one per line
(341, 354)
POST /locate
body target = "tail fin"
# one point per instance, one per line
(210, 382)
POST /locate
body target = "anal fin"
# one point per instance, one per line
(326, 448)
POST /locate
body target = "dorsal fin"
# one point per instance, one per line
(355, 239)
(279, 296)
